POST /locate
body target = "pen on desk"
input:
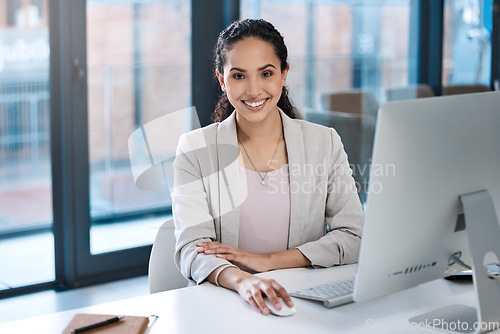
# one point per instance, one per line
(97, 324)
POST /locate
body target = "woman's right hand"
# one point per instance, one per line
(254, 289)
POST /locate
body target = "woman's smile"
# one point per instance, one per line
(255, 104)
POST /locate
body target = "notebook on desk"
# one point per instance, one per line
(126, 325)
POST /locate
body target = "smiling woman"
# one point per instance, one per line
(252, 79)
(268, 40)
(236, 214)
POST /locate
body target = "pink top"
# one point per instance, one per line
(265, 212)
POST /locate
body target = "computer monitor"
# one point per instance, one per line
(428, 154)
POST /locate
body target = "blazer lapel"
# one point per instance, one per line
(228, 179)
(296, 164)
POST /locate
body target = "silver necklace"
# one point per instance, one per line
(262, 178)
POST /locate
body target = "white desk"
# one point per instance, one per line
(209, 309)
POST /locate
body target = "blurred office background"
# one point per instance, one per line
(78, 77)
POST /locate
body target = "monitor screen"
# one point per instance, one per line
(427, 153)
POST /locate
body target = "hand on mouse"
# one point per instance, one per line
(255, 289)
(285, 310)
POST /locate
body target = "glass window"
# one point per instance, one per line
(467, 42)
(343, 57)
(139, 68)
(26, 238)
(23, 13)
(339, 45)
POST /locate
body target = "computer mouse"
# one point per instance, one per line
(285, 309)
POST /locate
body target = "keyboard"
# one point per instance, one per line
(331, 294)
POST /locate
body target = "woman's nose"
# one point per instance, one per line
(253, 88)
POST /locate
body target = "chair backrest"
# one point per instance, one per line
(408, 92)
(357, 132)
(465, 89)
(163, 273)
(353, 102)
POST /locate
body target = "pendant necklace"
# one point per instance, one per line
(262, 178)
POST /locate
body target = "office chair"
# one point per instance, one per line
(408, 92)
(163, 273)
(357, 132)
(465, 89)
(353, 102)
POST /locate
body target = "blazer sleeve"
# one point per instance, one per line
(343, 215)
(193, 220)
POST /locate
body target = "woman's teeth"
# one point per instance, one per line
(255, 104)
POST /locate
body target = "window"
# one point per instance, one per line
(468, 27)
(23, 13)
(340, 45)
(26, 238)
(139, 68)
(358, 47)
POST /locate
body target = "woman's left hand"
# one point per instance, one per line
(253, 261)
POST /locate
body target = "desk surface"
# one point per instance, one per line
(207, 308)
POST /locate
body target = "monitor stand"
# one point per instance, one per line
(483, 235)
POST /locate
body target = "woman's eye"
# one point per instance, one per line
(266, 74)
(238, 76)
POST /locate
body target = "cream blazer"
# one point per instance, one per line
(325, 212)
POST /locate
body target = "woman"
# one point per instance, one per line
(260, 190)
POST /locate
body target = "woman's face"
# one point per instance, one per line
(253, 79)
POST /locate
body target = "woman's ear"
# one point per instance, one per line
(284, 75)
(220, 77)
